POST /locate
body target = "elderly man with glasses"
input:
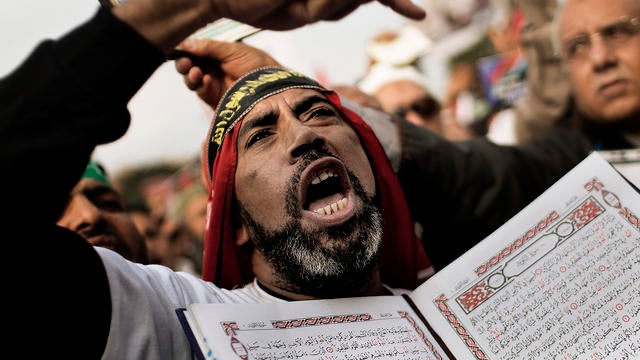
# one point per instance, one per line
(600, 48)
(586, 75)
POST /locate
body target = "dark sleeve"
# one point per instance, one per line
(461, 192)
(55, 293)
(68, 96)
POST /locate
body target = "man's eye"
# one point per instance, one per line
(618, 32)
(577, 45)
(321, 112)
(110, 205)
(257, 136)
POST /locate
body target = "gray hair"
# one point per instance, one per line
(555, 24)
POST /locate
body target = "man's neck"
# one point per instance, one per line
(633, 138)
(629, 125)
(286, 291)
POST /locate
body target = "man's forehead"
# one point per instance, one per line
(92, 185)
(589, 15)
(294, 99)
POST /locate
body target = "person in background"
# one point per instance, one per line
(146, 223)
(583, 74)
(55, 108)
(583, 71)
(97, 211)
(600, 43)
(548, 95)
(403, 91)
(190, 210)
(355, 94)
(395, 81)
(502, 74)
(167, 242)
(169, 246)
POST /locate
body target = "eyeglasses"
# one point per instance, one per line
(425, 106)
(613, 36)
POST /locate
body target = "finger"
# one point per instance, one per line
(193, 79)
(208, 48)
(183, 65)
(406, 8)
(299, 13)
(338, 14)
(235, 58)
(209, 91)
(315, 10)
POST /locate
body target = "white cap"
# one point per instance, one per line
(410, 44)
(381, 74)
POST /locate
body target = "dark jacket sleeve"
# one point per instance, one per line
(68, 96)
(461, 192)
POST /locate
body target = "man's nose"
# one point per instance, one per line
(301, 139)
(601, 54)
(84, 214)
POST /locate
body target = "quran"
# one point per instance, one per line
(560, 280)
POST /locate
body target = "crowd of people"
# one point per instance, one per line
(305, 191)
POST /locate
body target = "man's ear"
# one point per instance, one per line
(242, 236)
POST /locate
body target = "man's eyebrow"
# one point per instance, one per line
(265, 118)
(306, 103)
(97, 190)
(269, 117)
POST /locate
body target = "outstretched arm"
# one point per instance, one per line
(166, 22)
(67, 97)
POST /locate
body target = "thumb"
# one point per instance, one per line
(214, 49)
(235, 58)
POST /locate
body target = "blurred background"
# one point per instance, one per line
(458, 73)
(460, 56)
(168, 121)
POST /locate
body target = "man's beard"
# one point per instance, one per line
(300, 260)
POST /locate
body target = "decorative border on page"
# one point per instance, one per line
(581, 215)
(231, 328)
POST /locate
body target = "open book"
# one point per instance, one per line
(560, 280)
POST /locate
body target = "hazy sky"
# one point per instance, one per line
(168, 121)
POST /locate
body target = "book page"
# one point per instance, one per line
(381, 327)
(225, 30)
(559, 281)
(626, 161)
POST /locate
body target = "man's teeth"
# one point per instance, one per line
(323, 176)
(332, 208)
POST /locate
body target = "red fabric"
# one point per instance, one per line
(402, 253)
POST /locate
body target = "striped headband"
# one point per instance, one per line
(241, 97)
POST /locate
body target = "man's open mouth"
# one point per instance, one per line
(325, 187)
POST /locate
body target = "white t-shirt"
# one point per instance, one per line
(144, 298)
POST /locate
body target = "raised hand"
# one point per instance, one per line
(214, 65)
